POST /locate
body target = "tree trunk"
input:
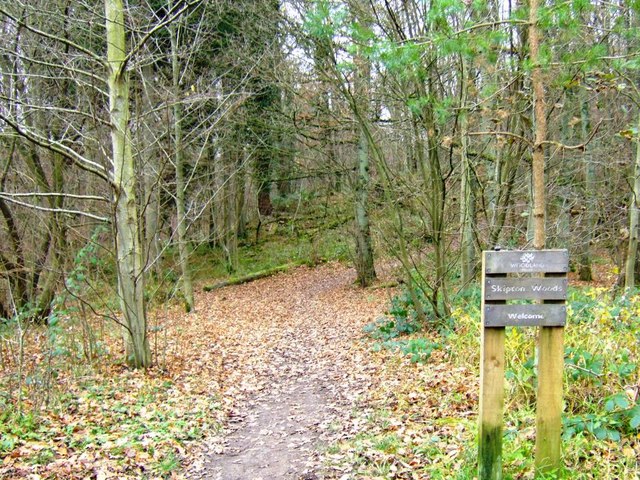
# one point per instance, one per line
(439, 295)
(467, 197)
(216, 217)
(130, 271)
(550, 350)
(240, 189)
(364, 264)
(183, 247)
(634, 220)
(229, 206)
(150, 179)
(435, 189)
(365, 270)
(584, 257)
(540, 121)
(56, 248)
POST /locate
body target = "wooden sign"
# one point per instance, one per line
(500, 288)
(546, 315)
(508, 279)
(525, 288)
(527, 261)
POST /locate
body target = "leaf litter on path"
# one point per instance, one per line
(293, 371)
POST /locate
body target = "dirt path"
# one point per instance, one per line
(293, 371)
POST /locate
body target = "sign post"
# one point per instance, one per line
(500, 289)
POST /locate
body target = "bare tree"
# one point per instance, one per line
(105, 79)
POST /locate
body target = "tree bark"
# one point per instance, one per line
(183, 247)
(584, 272)
(130, 267)
(364, 264)
(365, 270)
(634, 220)
(229, 206)
(151, 179)
(550, 340)
(467, 197)
(537, 169)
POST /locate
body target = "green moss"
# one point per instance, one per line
(490, 455)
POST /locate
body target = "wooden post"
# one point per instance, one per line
(549, 406)
(491, 404)
(491, 394)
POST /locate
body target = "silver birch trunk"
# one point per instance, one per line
(130, 265)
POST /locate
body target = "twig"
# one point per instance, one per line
(586, 370)
(575, 147)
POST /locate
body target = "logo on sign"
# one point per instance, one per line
(527, 257)
(527, 262)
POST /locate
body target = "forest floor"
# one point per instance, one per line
(267, 373)
(277, 379)
(293, 369)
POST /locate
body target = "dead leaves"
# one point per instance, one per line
(417, 418)
(293, 338)
(245, 344)
(118, 424)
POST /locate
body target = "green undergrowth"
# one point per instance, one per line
(305, 229)
(208, 263)
(423, 421)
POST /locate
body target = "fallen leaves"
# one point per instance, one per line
(117, 424)
(292, 340)
(244, 352)
(242, 342)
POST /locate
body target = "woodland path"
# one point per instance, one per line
(292, 370)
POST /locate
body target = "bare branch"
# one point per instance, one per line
(67, 152)
(70, 111)
(55, 38)
(575, 147)
(172, 15)
(55, 210)
(60, 66)
(55, 194)
(506, 134)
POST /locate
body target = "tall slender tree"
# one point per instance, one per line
(130, 265)
(178, 156)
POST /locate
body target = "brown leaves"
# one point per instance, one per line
(244, 344)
